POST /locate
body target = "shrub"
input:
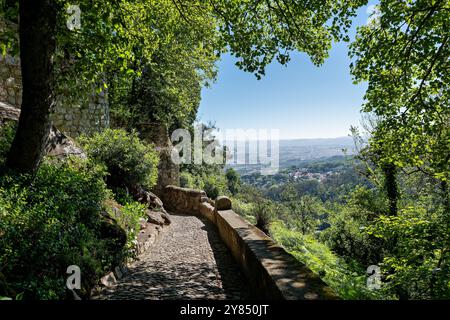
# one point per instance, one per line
(7, 132)
(347, 280)
(263, 216)
(128, 219)
(244, 209)
(49, 223)
(187, 180)
(130, 162)
(233, 180)
(214, 185)
(419, 266)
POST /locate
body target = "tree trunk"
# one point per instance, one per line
(37, 28)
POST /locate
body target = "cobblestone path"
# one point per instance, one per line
(188, 261)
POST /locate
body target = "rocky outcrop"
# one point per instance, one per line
(8, 112)
(156, 213)
(61, 146)
(58, 145)
(156, 218)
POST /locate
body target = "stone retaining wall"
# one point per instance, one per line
(272, 272)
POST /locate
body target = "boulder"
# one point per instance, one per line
(58, 145)
(155, 218)
(223, 203)
(143, 196)
(158, 217)
(61, 146)
(166, 217)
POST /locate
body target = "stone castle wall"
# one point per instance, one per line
(72, 119)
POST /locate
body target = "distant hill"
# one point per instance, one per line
(294, 151)
(299, 152)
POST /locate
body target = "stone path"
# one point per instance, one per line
(188, 261)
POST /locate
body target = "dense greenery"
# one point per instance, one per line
(390, 207)
(406, 66)
(52, 223)
(62, 216)
(129, 161)
(339, 236)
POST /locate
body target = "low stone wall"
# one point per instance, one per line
(272, 272)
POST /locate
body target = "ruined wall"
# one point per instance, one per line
(72, 119)
(168, 172)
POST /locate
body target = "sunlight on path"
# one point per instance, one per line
(188, 261)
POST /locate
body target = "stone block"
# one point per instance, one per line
(223, 203)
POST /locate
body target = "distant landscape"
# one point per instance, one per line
(299, 153)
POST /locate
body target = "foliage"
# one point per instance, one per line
(168, 89)
(404, 56)
(306, 213)
(419, 267)
(233, 180)
(187, 180)
(129, 160)
(214, 185)
(7, 132)
(348, 280)
(264, 213)
(347, 234)
(244, 209)
(128, 218)
(50, 223)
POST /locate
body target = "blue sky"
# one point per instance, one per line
(300, 99)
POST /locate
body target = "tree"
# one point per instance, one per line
(234, 181)
(306, 212)
(37, 47)
(54, 59)
(403, 54)
(117, 32)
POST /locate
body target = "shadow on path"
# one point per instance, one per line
(188, 261)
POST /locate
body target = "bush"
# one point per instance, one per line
(244, 209)
(187, 180)
(263, 216)
(233, 180)
(128, 219)
(419, 266)
(347, 280)
(129, 161)
(49, 223)
(214, 185)
(7, 132)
